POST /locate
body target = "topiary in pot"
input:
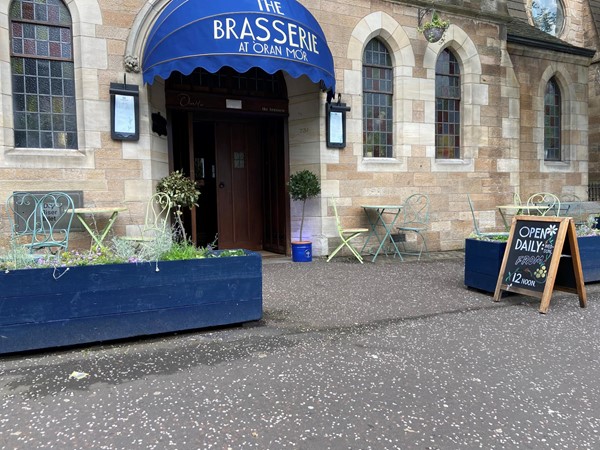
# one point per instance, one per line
(183, 193)
(302, 186)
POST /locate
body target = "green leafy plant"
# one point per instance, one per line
(94, 257)
(183, 193)
(435, 22)
(302, 186)
(163, 248)
(434, 29)
(490, 238)
(17, 256)
(184, 250)
(592, 221)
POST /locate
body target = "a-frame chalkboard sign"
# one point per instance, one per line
(541, 255)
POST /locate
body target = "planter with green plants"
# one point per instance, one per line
(483, 258)
(183, 193)
(434, 29)
(303, 185)
(122, 291)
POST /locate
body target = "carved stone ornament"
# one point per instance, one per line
(131, 64)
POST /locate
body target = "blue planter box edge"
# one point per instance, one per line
(102, 303)
(483, 260)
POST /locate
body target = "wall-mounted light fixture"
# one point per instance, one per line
(124, 111)
(335, 123)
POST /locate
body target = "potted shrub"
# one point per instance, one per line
(302, 186)
(434, 29)
(104, 295)
(183, 193)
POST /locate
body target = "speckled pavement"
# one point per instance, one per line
(390, 355)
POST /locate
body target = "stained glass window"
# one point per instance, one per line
(43, 75)
(377, 101)
(447, 106)
(552, 126)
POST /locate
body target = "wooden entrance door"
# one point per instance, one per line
(239, 186)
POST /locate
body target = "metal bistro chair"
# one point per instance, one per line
(572, 205)
(346, 235)
(156, 222)
(477, 231)
(545, 204)
(41, 222)
(415, 219)
(20, 212)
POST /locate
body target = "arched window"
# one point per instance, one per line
(377, 101)
(447, 106)
(552, 112)
(43, 76)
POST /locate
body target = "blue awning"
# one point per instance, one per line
(270, 34)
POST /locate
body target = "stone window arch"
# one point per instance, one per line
(378, 104)
(43, 75)
(447, 106)
(552, 121)
(474, 95)
(386, 29)
(573, 132)
(90, 57)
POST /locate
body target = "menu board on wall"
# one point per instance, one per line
(541, 255)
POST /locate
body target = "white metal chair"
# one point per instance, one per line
(544, 203)
(477, 231)
(346, 235)
(157, 219)
(415, 219)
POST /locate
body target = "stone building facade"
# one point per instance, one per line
(504, 67)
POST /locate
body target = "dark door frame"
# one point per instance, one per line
(198, 114)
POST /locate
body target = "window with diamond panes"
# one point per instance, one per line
(43, 76)
(552, 121)
(447, 106)
(377, 101)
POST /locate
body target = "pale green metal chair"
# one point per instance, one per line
(157, 219)
(20, 212)
(517, 199)
(477, 231)
(415, 219)
(346, 235)
(572, 205)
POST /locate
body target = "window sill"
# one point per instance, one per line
(47, 158)
(372, 164)
(557, 166)
(452, 165)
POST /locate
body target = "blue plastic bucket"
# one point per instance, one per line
(302, 252)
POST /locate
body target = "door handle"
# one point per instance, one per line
(221, 185)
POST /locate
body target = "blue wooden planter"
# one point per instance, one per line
(115, 301)
(483, 260)
(589, 253)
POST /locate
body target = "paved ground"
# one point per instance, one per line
(377, 356)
